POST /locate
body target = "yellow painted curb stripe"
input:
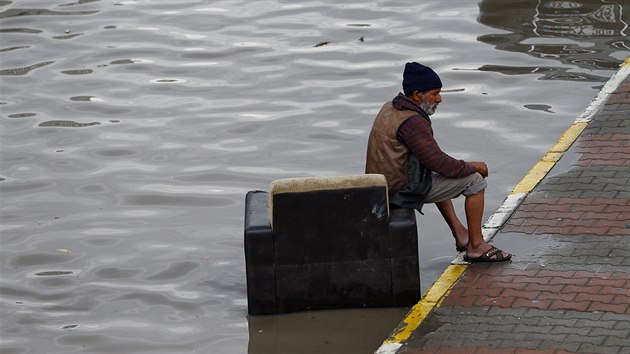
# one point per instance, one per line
(553, 155)
(430, 300)
(568, 137)
(535, 175)
(626, 62)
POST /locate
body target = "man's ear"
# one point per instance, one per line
(417, 97)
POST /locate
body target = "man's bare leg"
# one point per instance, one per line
(474, 212)
(457, 228)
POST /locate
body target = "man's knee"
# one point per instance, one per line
(476, 185)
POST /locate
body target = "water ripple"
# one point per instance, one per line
(40, 12)
(20, 30)
(67, 124)
(24, 70)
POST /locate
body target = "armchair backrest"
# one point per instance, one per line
(314, 184)
(328, 219)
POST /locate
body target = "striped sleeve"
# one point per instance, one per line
(416, 133)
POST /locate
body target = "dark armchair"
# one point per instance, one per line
(329, 243)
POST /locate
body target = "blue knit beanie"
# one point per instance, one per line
(418, 77)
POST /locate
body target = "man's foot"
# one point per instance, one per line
(461, 240)
(492, 255)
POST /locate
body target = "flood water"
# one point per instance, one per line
(131, 131)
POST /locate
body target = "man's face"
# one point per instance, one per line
(428, 100)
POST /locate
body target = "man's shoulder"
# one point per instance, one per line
(417, 120)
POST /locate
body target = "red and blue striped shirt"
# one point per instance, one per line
(416, 134)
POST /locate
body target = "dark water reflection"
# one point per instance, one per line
(580, 33)
(131, 132)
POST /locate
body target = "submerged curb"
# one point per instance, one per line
(434, 296)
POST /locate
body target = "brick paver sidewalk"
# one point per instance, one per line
(568, 287)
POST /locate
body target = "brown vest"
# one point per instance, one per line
(385, 154)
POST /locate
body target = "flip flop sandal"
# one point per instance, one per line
(492, 255)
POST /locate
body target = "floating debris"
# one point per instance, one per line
(321, 44)
(361, 39)
(359, 24)
(72, 326)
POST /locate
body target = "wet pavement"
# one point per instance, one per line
(567, 289)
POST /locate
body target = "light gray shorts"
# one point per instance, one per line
(445, 188)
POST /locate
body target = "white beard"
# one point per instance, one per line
(428, 108)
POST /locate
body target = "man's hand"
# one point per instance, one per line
(481, 167)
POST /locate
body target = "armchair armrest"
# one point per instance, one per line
(403, 235)
(259, 258)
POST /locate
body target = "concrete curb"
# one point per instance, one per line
(434, 296)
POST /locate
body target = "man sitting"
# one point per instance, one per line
(401, 146)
